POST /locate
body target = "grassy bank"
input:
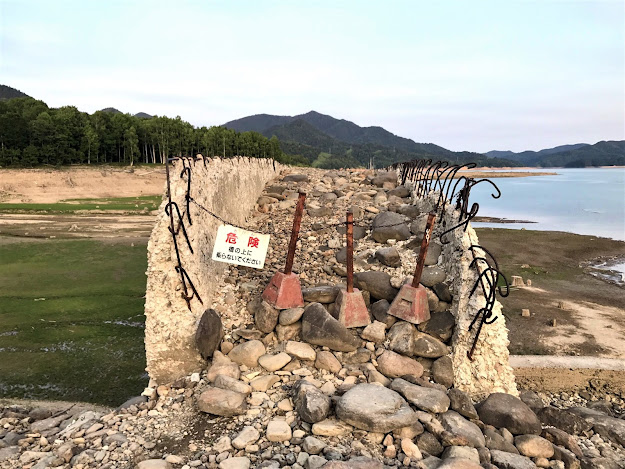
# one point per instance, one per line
(592, 309)
(71, 320)
(129, 205)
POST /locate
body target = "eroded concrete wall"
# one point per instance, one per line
(228, 188)
(490, 370)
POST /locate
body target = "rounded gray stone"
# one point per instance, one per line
(374, 408)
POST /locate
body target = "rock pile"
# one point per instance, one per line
(308, 417)
(294, 388)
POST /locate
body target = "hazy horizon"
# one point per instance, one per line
(479, 76)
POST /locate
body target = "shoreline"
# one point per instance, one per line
(572, 311)
(490, 173)
(503, 221)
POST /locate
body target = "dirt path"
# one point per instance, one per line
(53, 185)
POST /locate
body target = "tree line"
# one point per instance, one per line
(32, 134)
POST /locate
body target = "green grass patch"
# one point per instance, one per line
(71, 320)
(132, 205)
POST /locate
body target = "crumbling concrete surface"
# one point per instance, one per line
(489, 370)
(228, 188)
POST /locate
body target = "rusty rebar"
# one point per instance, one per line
(297, 221)
(424, 250)
(350, 252)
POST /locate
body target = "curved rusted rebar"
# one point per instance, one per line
(187, 196)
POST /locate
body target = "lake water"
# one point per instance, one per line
(588, 201)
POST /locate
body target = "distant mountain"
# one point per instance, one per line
(577, 155)
(339, 129)
(6, 92)
(325, 141)
(604, 153)
(141, 115)
(112, 110)
(531, 157)
(257, 123)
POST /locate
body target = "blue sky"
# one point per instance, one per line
(466, 75)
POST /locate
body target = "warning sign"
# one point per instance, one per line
(241, 247)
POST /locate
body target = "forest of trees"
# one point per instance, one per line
(33, 134)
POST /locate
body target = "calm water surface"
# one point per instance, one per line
(588, 201)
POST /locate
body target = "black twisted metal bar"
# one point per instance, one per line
(438, 177)
(187, 196)
(184, 276)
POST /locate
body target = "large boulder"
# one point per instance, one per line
(390, 225)
(320, 328)
(311, 404)
(399, 191)
(222, 402)
(374, 408)
(440, 325)
(388, 256)
(506, 460)
(503, 410)
(533, 446)
(428, 399)
(432, 275)
(295, 178)
(456, 424)
(459, 463)
(247, 353)
(394, 365)
(209, 333)
(265, 315)
(443, 371)
(494, 440)
(442, 292)
(320, 294)
(384, 176)
(379, 310)
(434, 251)
(401, 338)
(607, 426)
(411, 211)
(222, 365)
(563, 419)
(428, 347)
(320, 212)
(461, 403)
(377, 283)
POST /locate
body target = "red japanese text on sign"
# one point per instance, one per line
(231, 238)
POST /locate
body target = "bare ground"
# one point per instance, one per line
(589, 313)
(99, 226)
(54, 185)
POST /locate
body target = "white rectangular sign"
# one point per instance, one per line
(241, 247)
